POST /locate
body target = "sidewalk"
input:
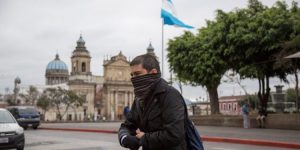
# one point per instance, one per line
(253, 136)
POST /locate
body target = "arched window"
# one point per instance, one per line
(74, 68)
(229, 107)
(234, 107)
(83, 67)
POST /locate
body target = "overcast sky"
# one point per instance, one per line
(32, 31)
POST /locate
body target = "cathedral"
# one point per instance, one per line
(106, 96)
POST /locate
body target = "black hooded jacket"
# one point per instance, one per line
(162, 119)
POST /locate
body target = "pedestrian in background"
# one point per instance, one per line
(261, 118)
(157, 116)
(245, 111)
(126, 111)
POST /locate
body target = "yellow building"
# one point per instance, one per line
(106, 96)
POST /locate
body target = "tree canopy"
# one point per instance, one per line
(248, 41)
(60, 98)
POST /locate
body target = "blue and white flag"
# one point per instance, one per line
(168, 13)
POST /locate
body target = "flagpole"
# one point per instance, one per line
(162, 49)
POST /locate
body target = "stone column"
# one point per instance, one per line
(112, 105)
(108, 100)
(126, 98)
(116, 104)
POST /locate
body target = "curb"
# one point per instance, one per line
(204, 138)
(252, 142)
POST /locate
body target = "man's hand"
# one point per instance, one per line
(139, 134)
(131, 142)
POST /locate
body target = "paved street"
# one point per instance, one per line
(63, 140)
(66, 140)
(291, 136)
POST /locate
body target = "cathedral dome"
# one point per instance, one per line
(56, 72)
(57, 64)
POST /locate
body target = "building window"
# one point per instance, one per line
(224, 106)
(84, 112)
(229, 107)
(83, 67)
(234, 107)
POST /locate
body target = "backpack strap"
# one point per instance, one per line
(186, 117)
(163, 96)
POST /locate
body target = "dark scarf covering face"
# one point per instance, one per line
(143, 84)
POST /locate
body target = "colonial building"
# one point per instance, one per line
(81, 79)
(118, 90)
(107, 95)
(229, 105)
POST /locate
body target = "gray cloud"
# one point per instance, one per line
(32, 31)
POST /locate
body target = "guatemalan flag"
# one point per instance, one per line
(168, 14)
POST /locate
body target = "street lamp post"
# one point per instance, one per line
(16, 89)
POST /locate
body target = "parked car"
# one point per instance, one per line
(290, 110)
(25, 116)
(11, 134)
(271, 110)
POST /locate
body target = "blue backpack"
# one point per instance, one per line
(192, 137)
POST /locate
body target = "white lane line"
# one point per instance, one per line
(220, 148)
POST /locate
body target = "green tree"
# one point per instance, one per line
(31, 96)
(251, 100)
(44, 103)
(197, 59)
(9, 98)
(62, 100)
(293, 64)
(246, 41)
(255, 38)
(293, 96)
(55, 95)
(73, 100)
(231, 77)
(293, 46)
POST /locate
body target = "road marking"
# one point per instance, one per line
(220, 148)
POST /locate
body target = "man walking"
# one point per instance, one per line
(156, 119)
(245, 110)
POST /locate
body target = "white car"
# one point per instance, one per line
(11, 134)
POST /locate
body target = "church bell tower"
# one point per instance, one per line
(81, 59)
